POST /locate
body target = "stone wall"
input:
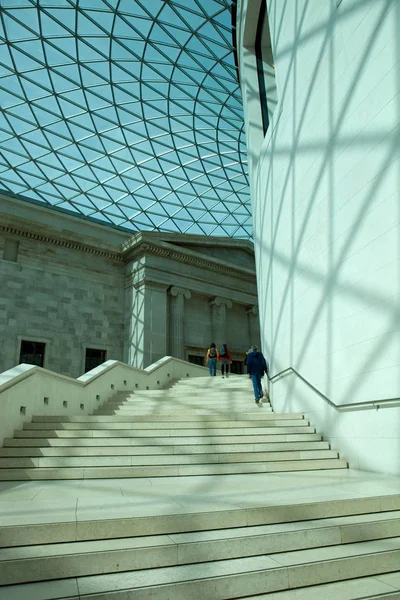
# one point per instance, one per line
(73, 284)
(64, 297)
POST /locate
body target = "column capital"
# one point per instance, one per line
(218, 301)
(253, 310)
(147, 284)
(176, 291)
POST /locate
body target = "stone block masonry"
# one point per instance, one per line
(50, 298)
(73, 285)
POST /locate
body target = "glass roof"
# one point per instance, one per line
(126, 111)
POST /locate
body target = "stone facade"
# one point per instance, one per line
(74, 284)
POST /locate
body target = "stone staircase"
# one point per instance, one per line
(204, 427)
(345, 549)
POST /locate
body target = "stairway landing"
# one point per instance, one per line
(34, 502)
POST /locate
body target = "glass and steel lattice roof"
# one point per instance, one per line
(125, 111)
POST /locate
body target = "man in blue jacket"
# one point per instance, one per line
(257, 366)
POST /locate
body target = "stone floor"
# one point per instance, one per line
(54, 501)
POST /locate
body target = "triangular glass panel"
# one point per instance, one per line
(103, 19)
(14, 29)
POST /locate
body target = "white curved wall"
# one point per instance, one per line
(325, 193)
(326, 208)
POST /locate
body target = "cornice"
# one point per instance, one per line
(182, 257)
(140, 249)
(50, 239)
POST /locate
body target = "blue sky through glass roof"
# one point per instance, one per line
(127, 111)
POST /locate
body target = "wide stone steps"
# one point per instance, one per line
(161, 425)
(158, 417)
(146, 450)
(219, 458)
(176, 409)
(281, 549)
(211, 445)
(161, 434)
(142, 441)
(379, 587)
(74, 559)
(154, 409)
(291, 550)
(180, 470)
(181, 521)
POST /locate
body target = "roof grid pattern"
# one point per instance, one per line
(127, 111)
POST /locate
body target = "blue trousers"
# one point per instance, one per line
(212, 365)
(256, 379)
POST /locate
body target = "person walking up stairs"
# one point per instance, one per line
(257, 367)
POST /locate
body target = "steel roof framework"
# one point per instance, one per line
(125, 111)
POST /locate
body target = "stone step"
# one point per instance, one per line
(277, 436)
(359, 588)
(229, 404)
(213, 408)
(156, 424)
(180, 521)
(24, 474)
(187, 396)
(183, 390)
(76, 559)
(198, 393)
(231, 578)
(185, 393)
(167, 432)
(157, 449)
(171, 459)
(262, 409)
(218, 382)
(256, 416)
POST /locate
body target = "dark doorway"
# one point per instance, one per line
(32, 353)
(237, 367)
(94, 358)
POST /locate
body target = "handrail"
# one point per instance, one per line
(367, 405)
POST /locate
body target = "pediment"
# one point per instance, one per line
(239, 253)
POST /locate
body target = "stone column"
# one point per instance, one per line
(145, 323)
(177, 327)
(218, 319)
(253, 326)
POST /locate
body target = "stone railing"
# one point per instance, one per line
(27, 390)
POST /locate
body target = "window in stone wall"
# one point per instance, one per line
(32, 353)
(93, 358)
(265, 67)
(196, 360)
(10, 250)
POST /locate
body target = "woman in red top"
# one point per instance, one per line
(225, 359)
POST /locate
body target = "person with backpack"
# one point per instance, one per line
(212, 357)
(225, 359)
(257, 366)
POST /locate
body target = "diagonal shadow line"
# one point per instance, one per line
(278, 28)
(343, 142)
(395, 321)
(335, 130)
(296, 134)
(375, 351)
(331, 282)
(346, 103)
(393, 148)
(342, 15)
